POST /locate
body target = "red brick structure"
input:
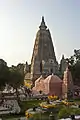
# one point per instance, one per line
(52, 85)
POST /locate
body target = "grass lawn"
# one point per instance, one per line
(10, 117)
(28, 104)
(77, 101)
(24, 106)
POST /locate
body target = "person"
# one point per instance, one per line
(79, 106)
(48, 101)
(73, 117)
(34, 108)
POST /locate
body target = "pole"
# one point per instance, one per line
(51, 116)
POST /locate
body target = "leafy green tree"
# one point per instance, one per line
(20, 68)
(64, 113)
(67, 111)
(4, 74)
(16, 79)
(74, 66)
(77, 55)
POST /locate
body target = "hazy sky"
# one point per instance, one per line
(19, 21)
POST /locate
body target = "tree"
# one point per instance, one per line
(16, 79)
(20, 68)
(77, 55)
(74, 66)
(4, 74)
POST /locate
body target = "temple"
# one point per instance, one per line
(44, 72)
(43, 60)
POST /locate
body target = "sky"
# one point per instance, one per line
(20, 20)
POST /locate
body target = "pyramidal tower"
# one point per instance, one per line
(67, 86)
(43, 58)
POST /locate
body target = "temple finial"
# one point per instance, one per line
(42, 18)
(62, 56)
(42, 26)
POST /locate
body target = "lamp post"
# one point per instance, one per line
(51, 116)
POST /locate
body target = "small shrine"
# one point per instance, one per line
(52, 85)
(67, 86)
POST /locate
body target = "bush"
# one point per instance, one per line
(28, 104)
(77, 111)
(66, 112)
(63, 113)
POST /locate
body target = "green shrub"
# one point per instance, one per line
(63, 113)
(66, 112)
(28, 104)
(77, 111)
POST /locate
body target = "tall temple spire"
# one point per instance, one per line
(42, 26)
(43, 51)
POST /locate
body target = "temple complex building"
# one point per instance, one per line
(44, 72)
(53, 85)
(43, 60)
